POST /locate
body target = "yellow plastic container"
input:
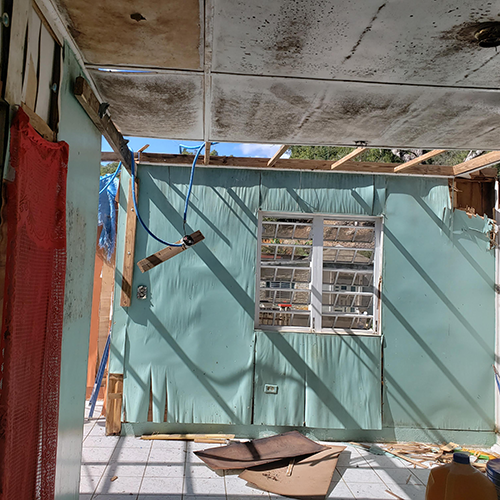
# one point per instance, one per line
(459, 481)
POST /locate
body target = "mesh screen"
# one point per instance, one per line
(33, 314)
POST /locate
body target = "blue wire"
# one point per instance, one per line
(136, 208)
(112, 178)
(191, 180)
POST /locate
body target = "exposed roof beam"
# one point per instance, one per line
(348, 157)
(286, 164)
(86, 97)
(419, 159)
(485, 160)
(281, 151)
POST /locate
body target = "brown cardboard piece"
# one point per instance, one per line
(308, 478)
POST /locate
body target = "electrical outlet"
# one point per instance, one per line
(270, 389)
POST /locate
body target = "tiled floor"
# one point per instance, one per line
(128, 468)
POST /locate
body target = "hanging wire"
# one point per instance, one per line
(112, 178)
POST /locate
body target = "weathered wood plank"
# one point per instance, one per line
(128, 258)
(114, 404)
(485, 160)
(418, 160)
(348, 157)
(86, 97)
(38, 124)
(206, 158)
(281, 151)
(169, 252)
(287, 164)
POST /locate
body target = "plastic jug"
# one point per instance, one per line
(459, 481)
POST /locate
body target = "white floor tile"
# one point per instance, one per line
(202, 471)
(93, 441)
(130, 456)
(351, 459)
(208, 497)
(367, 491)
(161, 486)
(85, 496)
(197, 486)
(359, 475)
(123, 484)
(409, 492)
(397, 476)
(118, 469)
(164, 470)
(422, 474)
(135, 442)
(96, 456)
(162, 497)
(384, 462)
(164, 455)
(92, 470)
(115, 496)
(340, 491)
(88, 484)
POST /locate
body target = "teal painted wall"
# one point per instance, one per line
(193, 339)
(81, 225)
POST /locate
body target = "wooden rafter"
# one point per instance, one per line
(86, 97)
(348, 157)
(206, 159)
(281, 151)
(485, 160)
(287, 164)
(419, 159)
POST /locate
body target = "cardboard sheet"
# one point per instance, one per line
(306, 478)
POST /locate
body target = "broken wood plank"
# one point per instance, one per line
(206, 159)
(394, 494)
(114, 404)
(418, 160)
(38, 124)
(186, 437)
(281, 151)
(482, 161)
(169, 252)
(86, 97)
(128, 258)
(347, 157)
(210, 441)
(359, 167)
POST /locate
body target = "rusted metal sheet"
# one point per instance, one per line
(259, 451)
(145, 33)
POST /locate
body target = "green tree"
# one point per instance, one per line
(109, 168)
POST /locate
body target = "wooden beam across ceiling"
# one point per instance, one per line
(348, 157)
(286, 164)
(483, 161)
(419, 159)
(281, 151)
(86, 97)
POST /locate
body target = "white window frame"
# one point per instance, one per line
(316, 266)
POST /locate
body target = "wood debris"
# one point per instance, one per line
(426, 455)
(200, 438)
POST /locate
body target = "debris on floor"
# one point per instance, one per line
(427, 455)
(287, 464)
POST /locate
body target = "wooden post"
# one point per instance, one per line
(128, 258)
(114, 404)
(206, 159)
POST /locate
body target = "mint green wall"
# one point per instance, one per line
(193, 338)
(81, 224)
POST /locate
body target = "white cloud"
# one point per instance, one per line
(261, 150)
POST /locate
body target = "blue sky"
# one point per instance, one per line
(224, 149)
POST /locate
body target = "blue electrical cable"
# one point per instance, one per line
(112, 178)
(136, 208)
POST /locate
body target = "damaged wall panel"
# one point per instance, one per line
(197, 324)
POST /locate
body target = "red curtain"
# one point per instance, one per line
(32, 314)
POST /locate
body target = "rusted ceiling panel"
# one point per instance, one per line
(299, 111)
(140, 33)
(427, 42)
(163, 105)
